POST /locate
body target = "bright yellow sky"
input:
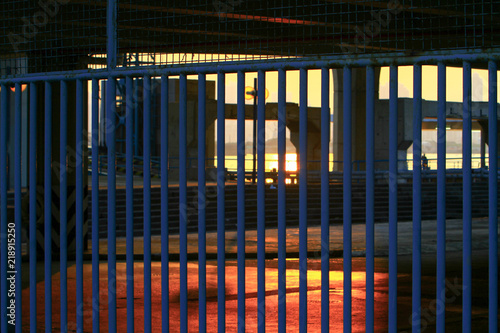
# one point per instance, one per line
(292, 86)
(454, 81)
(405, 78)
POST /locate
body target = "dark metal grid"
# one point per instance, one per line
(157, 32)
(50, 35)
(248, 30)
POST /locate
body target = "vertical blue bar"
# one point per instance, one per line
(164, 206)
(261, 202)
(202, 242)
(136, 117)
(441, 197)
(325, 201)
(393, 200)
(3, 201)
(63, 205)
(417, 197)
(79, 205)
(129, 198)
(147, 202)
(183, 200)
(95, 206)
(48, 206)
(281, 201)
(111, 31)
(110, 141)
(241, 199)
(493, 196)
(102, 118)
(63, 227)
(467, 201)
(17, 201)
(32, 199)
(303, 201)
(370, 198)
(221, 202)
(347, 199)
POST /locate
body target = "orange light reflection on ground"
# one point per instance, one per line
(292, 297)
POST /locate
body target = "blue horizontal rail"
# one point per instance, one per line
(358, 60)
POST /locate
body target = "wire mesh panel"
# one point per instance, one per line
(45, 36)
(246, 30)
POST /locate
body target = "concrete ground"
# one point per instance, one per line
(453, 273)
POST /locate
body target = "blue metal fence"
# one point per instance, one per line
(81, 79)
(111, 74)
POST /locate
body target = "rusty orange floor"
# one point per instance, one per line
(453, 276)
(453, 308)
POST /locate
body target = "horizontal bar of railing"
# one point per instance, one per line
(384, 59)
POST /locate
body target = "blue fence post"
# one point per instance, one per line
(325, 200)
(221, 202)
(95, 206)
(48, 205)
(183, 200)
(111, 53)
(202, 240)
(467, 200)
(441, 196)
(32, 204)
(129, 171)
(164, 204)
(281, 201)
(347, 179)
(17, 201)
(261, 202)
(79, 205)
(393, 199)
(493, 195)
(111, 169)
(417, 197)
(370, 198)
(303, 202)
(241, 198)
(111, 32)
(147, 202)
(136, 87)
